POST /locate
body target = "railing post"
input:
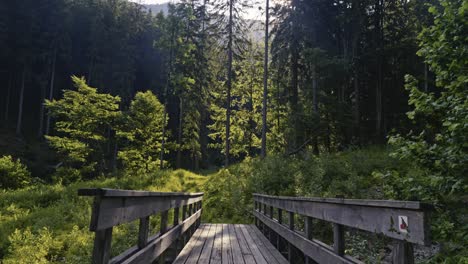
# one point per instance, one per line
(199, 208)
(176, 216)
(291, 226)
(143, 232)
(256, 209)
(338, 236)
(402, 252)
(102, 246)
(164, 216)
(184, 212)
(280, 221)
(308, 232)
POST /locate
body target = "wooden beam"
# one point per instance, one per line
(143, 232)
(359, 215)
(314, 249)
(102, 246)
(156, 247)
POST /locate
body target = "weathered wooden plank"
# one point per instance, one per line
(102, 246)
(208, 247)
(187, 250)
(235, 247)
(143, 232)
(156, 247)
(314, 249)
(359, 215)
(199, 243)
(268, 248)
(105, 192)
(259, 259)
(112, 211)
(261, 247)
(226, 253)
(402, 252)
(216, 254)
(414, 205)
(338, 239)
(245, 250)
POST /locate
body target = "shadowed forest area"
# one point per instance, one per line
(321, 98)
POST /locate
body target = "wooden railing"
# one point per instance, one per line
(403, 221)
(114, 207)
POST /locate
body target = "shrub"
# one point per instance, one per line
(13, 174)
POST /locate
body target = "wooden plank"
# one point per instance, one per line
(226, 253)
(112, 211)
(102, 246)
(402, 252)
(245, 250)
(259, 259)
(143, 232)
(383, 220)
(208, 247)
(261, 247)
(157, 246)
(273, 251)
(199, 244)
(235, 247)
(338, 239)
(314, 249)
(187, 250)
(105, 192)
(216, 254)
(414, 205)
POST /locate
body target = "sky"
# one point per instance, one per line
(253, 13)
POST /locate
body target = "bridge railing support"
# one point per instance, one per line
(406, 222)
(114, 207)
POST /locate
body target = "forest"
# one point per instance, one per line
(319, 98)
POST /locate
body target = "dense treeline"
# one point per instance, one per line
(104, 88)
(337, 71)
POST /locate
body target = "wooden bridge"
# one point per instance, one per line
(283, 230)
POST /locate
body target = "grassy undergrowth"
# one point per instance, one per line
(49, 223)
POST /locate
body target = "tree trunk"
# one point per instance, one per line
(316, 109)
(40, 130)
(229, 85)
(179, 137)
(51, 91)
(379, 88)
(265, 82)
(166, 92)
(294, 96)
(7, 99)
(20, 104)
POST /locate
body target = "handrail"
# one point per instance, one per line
(404, 221)
(114, 207)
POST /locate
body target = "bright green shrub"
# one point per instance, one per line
(13, 174)
(141, 134)
(84, 118)
(31, 247)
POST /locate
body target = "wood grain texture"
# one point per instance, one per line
(365, 215)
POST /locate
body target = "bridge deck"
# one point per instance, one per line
(226, 243)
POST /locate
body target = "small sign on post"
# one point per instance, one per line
(403, 223)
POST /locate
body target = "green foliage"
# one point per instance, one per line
(31, 247)
(84, 118)
(50, 223)
(228, 196)
(141, 132)
(13, 174)
(441, 147)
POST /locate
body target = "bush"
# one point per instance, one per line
(13, 174)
